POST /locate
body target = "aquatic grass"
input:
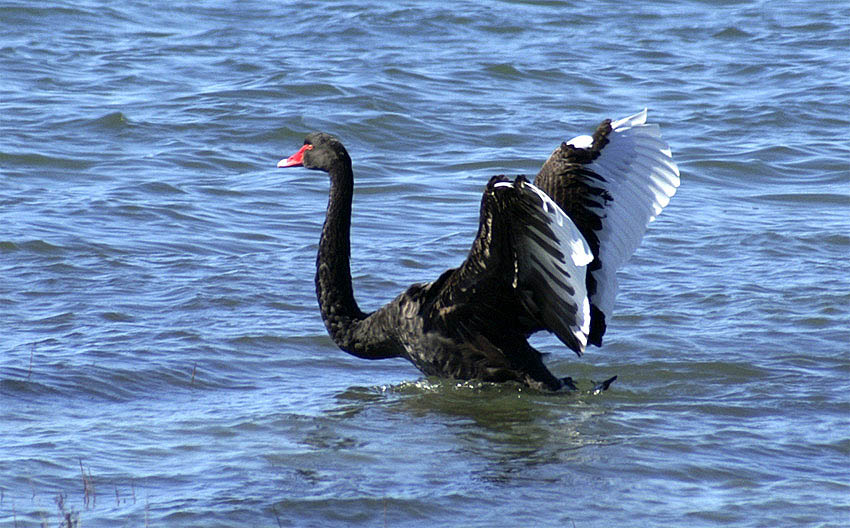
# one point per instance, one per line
(89, 495)
(67, 515)
(69, 518)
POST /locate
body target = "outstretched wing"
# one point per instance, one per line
(612, 184)
(552, 258)
(525, 271)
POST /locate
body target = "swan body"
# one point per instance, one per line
(544, 258)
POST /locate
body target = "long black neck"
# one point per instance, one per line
(353, 331)
(333, 269)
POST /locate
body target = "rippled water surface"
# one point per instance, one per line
(163, 362)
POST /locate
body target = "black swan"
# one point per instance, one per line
(545, 258)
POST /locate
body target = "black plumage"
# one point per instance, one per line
(524, 273)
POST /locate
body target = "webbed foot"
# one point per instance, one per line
(603, 386)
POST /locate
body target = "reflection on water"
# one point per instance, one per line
(506, 429)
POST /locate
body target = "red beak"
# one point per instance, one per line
(295, 160)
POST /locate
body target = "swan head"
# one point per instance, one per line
(320, 151)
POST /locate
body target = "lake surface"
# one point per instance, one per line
(162, 359)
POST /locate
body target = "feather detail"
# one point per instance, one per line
(552, 258)
(612, 184)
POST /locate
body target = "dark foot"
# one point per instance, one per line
(603, 386)
(567, 383)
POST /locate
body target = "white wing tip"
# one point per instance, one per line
(641, 176)
(630, 121)
(584, 329)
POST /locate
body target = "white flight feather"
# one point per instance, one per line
(572, 270)
(640, 177)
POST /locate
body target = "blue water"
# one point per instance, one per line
(163, 362)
